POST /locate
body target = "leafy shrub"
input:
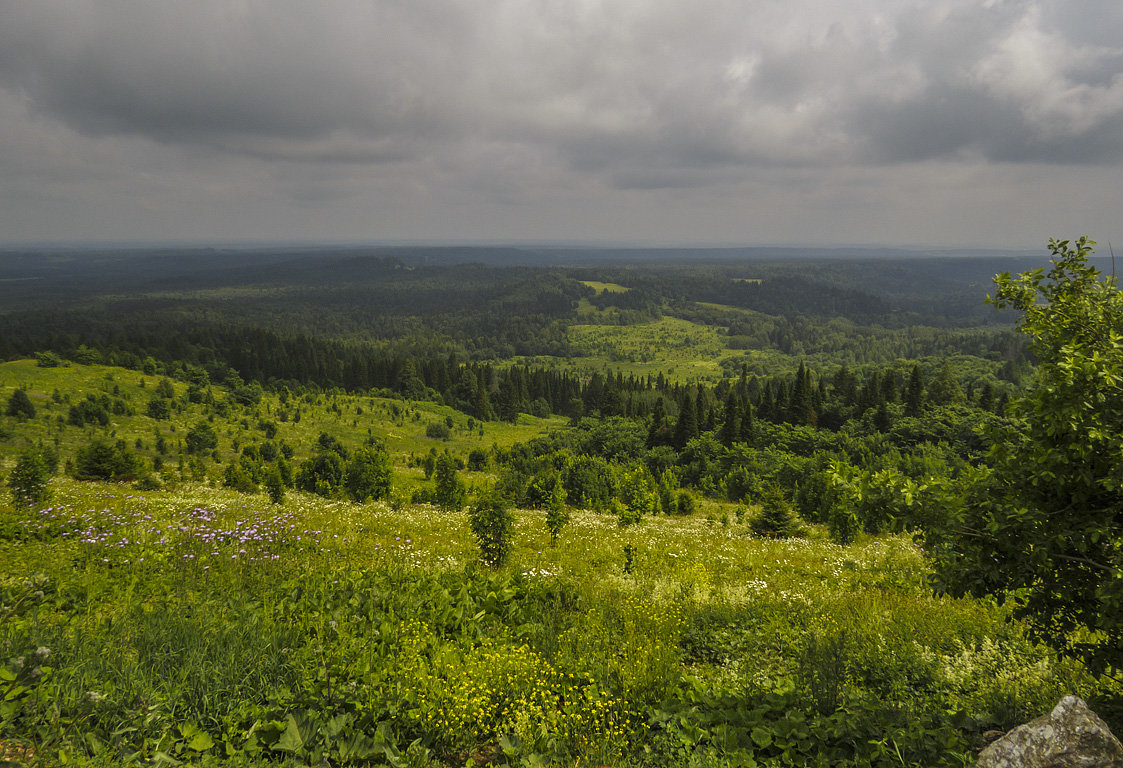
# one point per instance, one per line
(557, 516)
(437, 431)
(491, 521)
(685, 503)
(200, 439)
(368, 474)
(477, 460)
(159, 408)
(322, 474)
(449, 492)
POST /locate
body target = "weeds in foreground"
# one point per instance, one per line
(202, 626)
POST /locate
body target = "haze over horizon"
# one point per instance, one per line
(953, 123)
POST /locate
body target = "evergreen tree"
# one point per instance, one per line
(557, 516)
(801, 408)
(28, 480)
(274, 485)
(914, 396)
(687, 427)
(731, 425)
(777, 519)
(20, 405)
(660, 433)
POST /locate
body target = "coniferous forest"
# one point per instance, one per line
(545, 507)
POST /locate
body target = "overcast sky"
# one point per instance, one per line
(952, 122)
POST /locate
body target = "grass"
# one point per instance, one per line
(320, 631)
(361, 629)
(605, 287)
(349, 417)
(679, 349)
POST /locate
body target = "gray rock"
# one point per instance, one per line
(1071, 736)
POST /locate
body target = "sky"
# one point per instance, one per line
(979, 123)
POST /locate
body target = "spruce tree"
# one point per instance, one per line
(731, 426)
(687, 427)
(914, 395)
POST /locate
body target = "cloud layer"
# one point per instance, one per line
(456, 102)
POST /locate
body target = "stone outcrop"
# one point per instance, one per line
(1071, 736)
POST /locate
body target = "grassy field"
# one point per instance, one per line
(605, 287)
(194, 624)
(331, 632)
(677, 348)
(350, 418)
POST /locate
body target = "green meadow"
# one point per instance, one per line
(187, 623)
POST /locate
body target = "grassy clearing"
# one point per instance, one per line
(677, 348)
(605, 287)
(298, 423)
(330, 632)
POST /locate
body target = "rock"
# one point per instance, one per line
(1071, 736)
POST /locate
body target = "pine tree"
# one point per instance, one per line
(731, 426)
(687, 427)
(914, 395)
(28, 481)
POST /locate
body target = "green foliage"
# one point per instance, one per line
(242, 474)
(322, 474)
(437, 431)
(368, 473)
(20, 405)
(477, 460)
(449, 491)
(101, 459)
(685, 503)
(158, 408)
(557, 515)
(200, 439)
(777, 519)
(1043, 528)
(28, 479)
(274, 485)
(491, 522)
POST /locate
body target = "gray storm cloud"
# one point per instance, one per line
(512, 94)
(618, 86)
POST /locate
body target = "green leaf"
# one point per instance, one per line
(200, 742)
(291, 740)
(761, 737)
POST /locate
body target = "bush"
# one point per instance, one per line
(557, 516)
(200, 438)
(159, 408)
(491, 520)
(448, 492)
(685, 503)
(102, 460)
(477, 460)
(28, 481)
(274, 485)
(437, 431)
(368, 474)
(322, 474)
(20, 405)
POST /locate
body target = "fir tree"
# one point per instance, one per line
(687, 427)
